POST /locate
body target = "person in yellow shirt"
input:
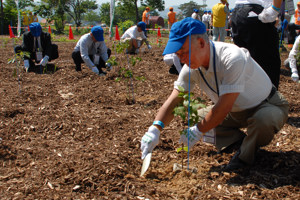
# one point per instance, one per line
(25, 19)
(30, 18)
(146, 16)
(219, 15)
(171, 18)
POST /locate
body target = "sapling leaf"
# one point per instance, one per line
(185, 148)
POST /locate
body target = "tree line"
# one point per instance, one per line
(78, 12)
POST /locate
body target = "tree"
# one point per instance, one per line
(77, 8)
(92, 17)
(130, 5)
(9, 13)
(188, 8)
(53, 10)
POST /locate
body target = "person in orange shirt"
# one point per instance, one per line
(297, 14)
(171, 18)
(146, 16)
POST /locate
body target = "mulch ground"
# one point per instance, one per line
(75, 135)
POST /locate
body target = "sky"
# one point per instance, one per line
(169, 3)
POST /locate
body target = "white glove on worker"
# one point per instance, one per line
(44, 61)
(26, 65)
(268, 15)
(194, 136)
(149, 140)
(108, 66)
(295, 76)
(95, 70)
(149, 46)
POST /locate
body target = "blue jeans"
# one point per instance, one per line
(219, 31)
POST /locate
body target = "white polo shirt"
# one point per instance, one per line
(236, 71)
(133, 33)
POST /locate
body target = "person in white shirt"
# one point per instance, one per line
(206, 20)
(196, 15)
(292, 61)
(136, 37)
(230, 78)
(252, 23)
(174, 63)
(91, 50)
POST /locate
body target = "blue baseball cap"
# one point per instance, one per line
(35, 29)
(196, 10)
(97, 32)
(179, 32)
(142, 25)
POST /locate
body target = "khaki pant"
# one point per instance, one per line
(262, 122)
(131, 48)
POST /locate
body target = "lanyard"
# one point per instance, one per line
(215, 73)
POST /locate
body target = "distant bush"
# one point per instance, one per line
(123, 26)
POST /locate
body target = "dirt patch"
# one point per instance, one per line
(73, 135)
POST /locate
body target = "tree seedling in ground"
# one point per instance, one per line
(189, 105)
(18, 57)
(126, 73)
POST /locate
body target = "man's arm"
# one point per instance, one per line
(165, 113)
(218, 113)
(277, 3)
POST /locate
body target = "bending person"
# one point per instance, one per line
(39, 45)
(135, 35)
(230, 77)
(91, 50)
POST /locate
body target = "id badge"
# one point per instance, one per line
(210, 137)
(39, 56)
(96, 59)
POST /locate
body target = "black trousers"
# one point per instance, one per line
(78, 60)
(291, 32)
(53, 55)
(261, 39)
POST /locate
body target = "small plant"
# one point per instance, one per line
(191, 105)
(18, 57)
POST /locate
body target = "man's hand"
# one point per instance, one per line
(108, 66)
(268, 15)
(194, 136)
(95, 70)
(44, 61)
(295, 76)
(149, 46)
(149, 140)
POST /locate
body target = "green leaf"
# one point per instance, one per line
(178, 149)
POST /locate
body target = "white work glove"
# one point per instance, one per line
(268, 15)
(295, 76)
(194, 136)
(95, 69)
(149, 140)
(44, 61)
(108, 66)
(26, 65)
(149, 46)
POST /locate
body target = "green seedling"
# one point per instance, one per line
(17, 58)
(189, 104)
